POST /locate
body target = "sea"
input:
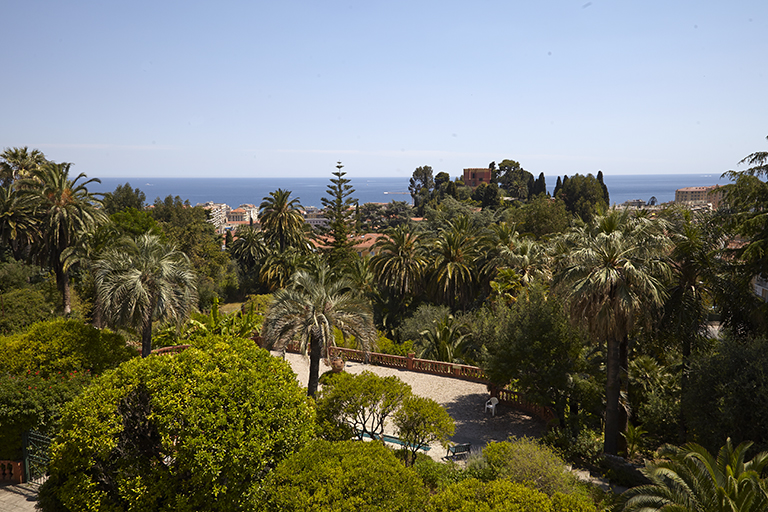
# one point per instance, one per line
(309, 191)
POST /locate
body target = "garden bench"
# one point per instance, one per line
(459, 450)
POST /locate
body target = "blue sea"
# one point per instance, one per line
(237, 191)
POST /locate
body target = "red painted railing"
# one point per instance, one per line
(518, 401)
(175, 349)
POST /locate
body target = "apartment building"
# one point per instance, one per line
(699, 195)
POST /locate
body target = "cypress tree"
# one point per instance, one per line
(605, 189)
(540, 185)
(557, 186)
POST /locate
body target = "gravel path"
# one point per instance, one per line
(464, 401)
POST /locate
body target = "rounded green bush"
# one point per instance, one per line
(529, 461)
(62, 346)
(21, 308)
(343, 476)
(193, 431)
(472, 495)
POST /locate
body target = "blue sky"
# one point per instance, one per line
(287, 88)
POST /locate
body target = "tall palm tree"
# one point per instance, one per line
(692, 480)
(19, 163)
(310, 309)
(66, 210)
(280, 218)
(612, 272)
(142, 280)
(399, 263)
(453, 273)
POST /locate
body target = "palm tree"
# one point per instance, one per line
(19, 163)
(692, 480)
(66, 210)
(445, 341)
(310, 309)
(249, 248)
(399, 263)
(142, 280)
(693, 263)
(613, 271)
(453, 271)
(18, 223)
(281, 219)
(278, 267)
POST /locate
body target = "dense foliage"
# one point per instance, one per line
(62, 346)
(194, 431)
(343, 476)
(32, 401)
(503, 495)
(690, 479)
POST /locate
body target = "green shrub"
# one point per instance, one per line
(472, 495)
(193, 431)
(586, 448)
(62, 346)
(529, 461)
(23, 307)
(422, 318)
(437, 475)
(31, 401)
(385, 345)
(727, 394)
(259, 303)
(342, 476)
(16, 275)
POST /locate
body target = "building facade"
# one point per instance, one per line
(474, 177)
(699, 195)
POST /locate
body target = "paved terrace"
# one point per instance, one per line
(464, 401)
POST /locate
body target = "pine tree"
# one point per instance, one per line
(340, 214)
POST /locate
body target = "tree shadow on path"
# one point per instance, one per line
(474, 425)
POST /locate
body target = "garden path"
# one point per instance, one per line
(464, 401)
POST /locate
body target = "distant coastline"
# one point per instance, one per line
(237, 191)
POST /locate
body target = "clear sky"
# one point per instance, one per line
(287, 88)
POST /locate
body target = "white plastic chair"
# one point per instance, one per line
(491, 405)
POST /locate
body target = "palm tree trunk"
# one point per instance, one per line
(146, 340)
(62, 276)
(315, 350)
(624, 378)
(612, 391)
(683, 428)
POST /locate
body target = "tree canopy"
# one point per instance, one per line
(198, 430)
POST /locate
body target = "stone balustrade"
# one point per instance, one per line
(11, 471)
